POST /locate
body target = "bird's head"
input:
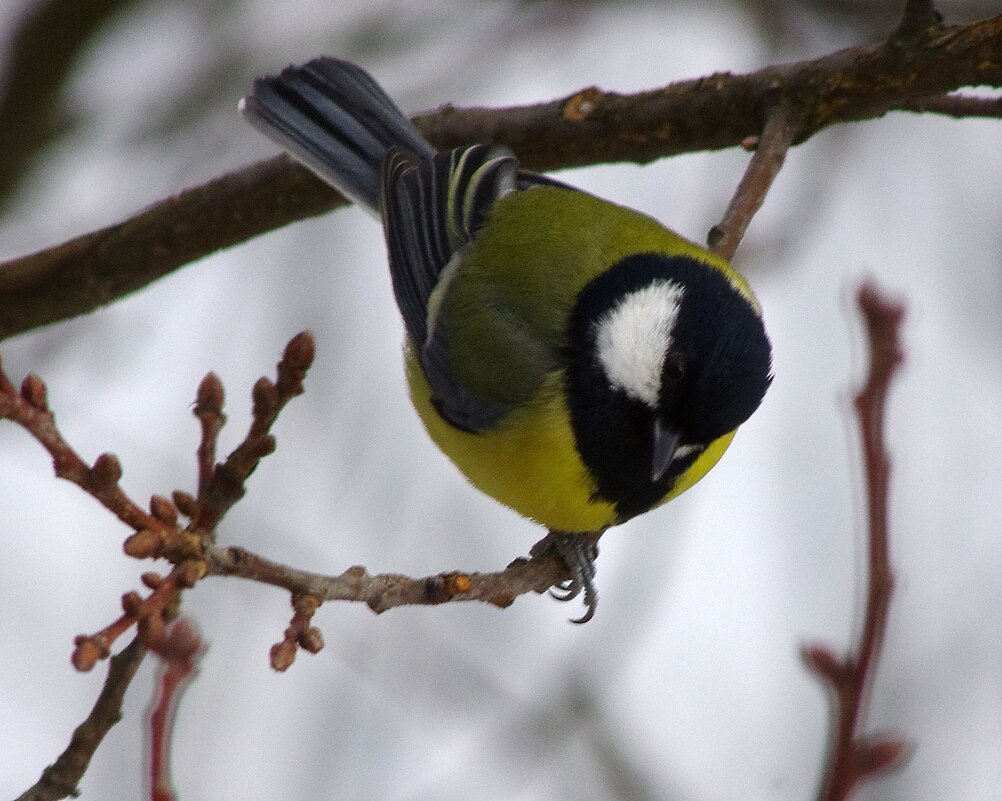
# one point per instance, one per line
(672, 356)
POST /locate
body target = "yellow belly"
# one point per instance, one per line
(530, 462)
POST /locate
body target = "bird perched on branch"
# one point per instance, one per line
(575, 359)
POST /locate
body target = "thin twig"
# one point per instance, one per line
(538, 573)
(958, 106)
(299, 634)
(883, 322)
(150, 615)
(588, 127)
(209, 411)
(29, 408)
(179, 653)
(854, 757)
(770, 152)
(60, 779)
(225, 484)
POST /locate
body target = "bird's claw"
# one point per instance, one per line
(579, 552)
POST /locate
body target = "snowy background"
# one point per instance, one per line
(688, 682)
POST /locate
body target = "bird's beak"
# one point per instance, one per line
(664, 443)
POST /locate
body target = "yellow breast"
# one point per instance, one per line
(530, 462)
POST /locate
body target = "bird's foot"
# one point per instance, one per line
(579, 551)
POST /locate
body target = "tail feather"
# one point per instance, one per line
(332, 116)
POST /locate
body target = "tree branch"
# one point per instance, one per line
(588, 127)
(958, 106)
(29, 408)
(384, 591)
(60, 779)
(765, 164)
(191, 550)
(854, 757)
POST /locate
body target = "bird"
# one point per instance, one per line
(577, 361)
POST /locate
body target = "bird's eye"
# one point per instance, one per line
(675, 366)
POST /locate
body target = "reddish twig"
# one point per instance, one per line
(854, 757)
(778, 134)
(150, 615)
(299, 634)
(158, 532)
(224, 485)
(29, 408)
(179, 652)
(209, 411)
(60, 779)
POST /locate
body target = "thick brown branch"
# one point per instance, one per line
(60, 779)
(721, 110)
(94, 269)
(588, 127)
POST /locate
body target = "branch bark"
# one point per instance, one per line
(770, 153)
(588, 127)
(381, 592)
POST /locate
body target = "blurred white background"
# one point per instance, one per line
(688, 682)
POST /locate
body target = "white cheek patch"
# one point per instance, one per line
(633, 338)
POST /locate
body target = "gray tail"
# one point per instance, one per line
(334, 118)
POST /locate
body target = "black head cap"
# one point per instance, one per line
(660, 346)
(718, 366)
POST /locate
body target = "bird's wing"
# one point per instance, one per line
(432, 209)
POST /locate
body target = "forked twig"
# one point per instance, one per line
(855, 757)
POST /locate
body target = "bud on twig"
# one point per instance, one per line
(144, 544)
(311, 640)
(107, 470)
(87, 652)
(163, 510)
(300, 351)
(185, 503)
(190, 571)
(132, 604)
(151, 579)
(265, 397)
(210, 396)
(282, 655)
(33, 390)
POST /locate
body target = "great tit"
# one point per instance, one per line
(576, 360)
